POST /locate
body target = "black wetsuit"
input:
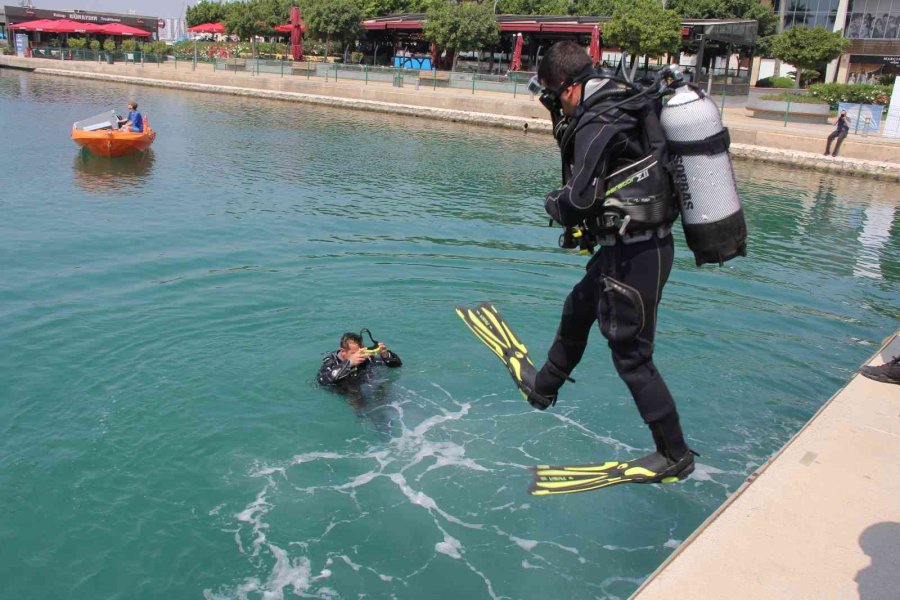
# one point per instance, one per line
(334, 370)
(624, 281)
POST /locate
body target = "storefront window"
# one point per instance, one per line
(811, 13)
(873, 19)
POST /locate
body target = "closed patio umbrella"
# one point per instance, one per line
(516, 64)
(296, 38)
(595, 45)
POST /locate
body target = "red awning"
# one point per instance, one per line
(207, 28)
(568, 27)
(517, 27)
(119, 29)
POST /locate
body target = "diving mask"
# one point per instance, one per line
(373, 348)
(548, 97)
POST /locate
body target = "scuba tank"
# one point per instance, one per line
(711, 212)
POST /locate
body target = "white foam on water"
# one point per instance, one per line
(528, 565)
(704, 472)
(670, 543)
(612, 548)
(450, 546)
(527, 545)
(286, 572)
(253, 514)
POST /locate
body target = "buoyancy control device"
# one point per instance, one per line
(694, 153)
(711, 213)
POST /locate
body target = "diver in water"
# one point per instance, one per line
(352, 359)
(347, 372)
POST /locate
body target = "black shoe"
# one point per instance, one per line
(889, 372)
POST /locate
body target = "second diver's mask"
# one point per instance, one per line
(373, 348)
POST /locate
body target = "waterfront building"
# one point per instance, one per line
(12, 15)
(872, 26)
(719, 47)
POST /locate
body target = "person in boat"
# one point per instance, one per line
(352, 360)
(134, 122)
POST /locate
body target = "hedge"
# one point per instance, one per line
(775, 82)
(861, 93)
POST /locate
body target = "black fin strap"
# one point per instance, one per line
(557, 372)
(717, 143)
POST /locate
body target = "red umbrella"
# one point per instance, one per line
(595, 45)
(434, 55)
(517, 55)
(208, 28)
(119, 29)
(79, 27)
(48, 25)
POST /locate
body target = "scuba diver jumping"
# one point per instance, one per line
(619, 160)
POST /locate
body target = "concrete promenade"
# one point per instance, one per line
(798, 144)
(819, 521)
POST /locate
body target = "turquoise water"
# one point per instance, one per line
(162, 319)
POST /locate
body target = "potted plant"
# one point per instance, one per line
(109, 46)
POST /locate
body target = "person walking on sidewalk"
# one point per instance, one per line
(840, 132)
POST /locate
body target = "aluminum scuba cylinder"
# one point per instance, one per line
(711, 212)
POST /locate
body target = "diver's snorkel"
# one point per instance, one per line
(374, 348)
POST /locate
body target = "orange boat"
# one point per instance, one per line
(100, 135)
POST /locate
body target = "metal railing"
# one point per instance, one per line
(513, 82)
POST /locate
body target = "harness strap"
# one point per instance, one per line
(717, 143)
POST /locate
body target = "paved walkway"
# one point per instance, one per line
(819, 521)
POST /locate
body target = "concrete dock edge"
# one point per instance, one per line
(819, 520)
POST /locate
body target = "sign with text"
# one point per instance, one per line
(863, 117)
(891, 61)
(21, 44)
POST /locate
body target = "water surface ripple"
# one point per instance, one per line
(162, 318)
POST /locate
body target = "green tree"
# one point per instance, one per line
(204, 11)
(376, 8)
(333, 20)
(807, 48)
(246, 20)
(644, 27)
(462, 27)
(728, 9)
(599, 8)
